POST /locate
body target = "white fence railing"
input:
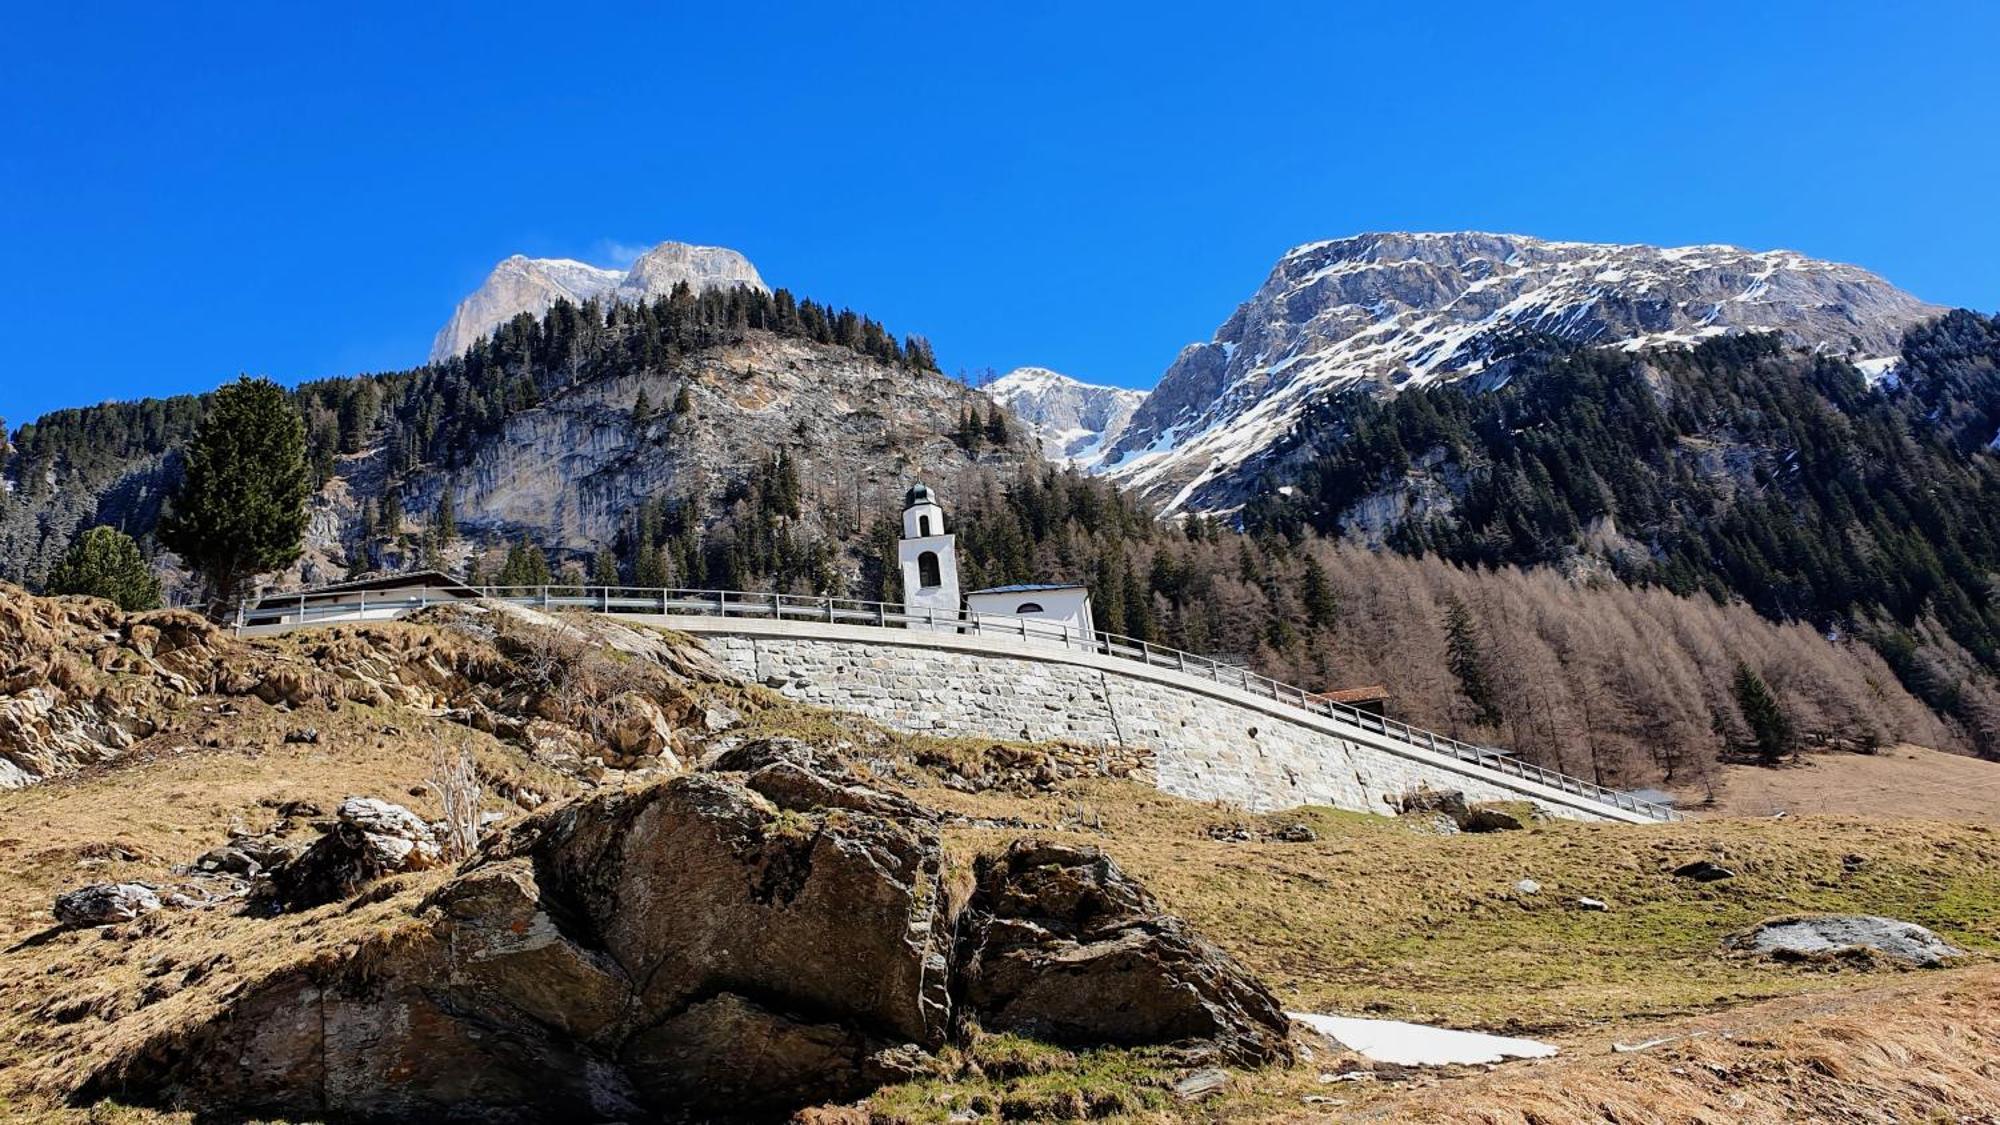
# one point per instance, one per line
(327, 607)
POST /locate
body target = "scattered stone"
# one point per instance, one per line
(1230, 833)
(1836, 934)
(104, 904)
(1498, 816)
(1528, 887)
(715, 720)
(1062, 945)
(1704, 871)
(1296, 834)
(1587, 903)
(246, 856)
(303, 735)
(1204, 1083)
(1852, 863)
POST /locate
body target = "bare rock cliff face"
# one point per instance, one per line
(533, 285)
(570, 471)
(1403, 310)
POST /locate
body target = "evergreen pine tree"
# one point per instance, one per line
(239, 510)
(1770, 727)
(446, 519)
(1466, 657)
(996, 425)
(604, 568)
(642, 409)
(1321, 605)
(105, 563)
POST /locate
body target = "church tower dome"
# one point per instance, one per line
(928, 558)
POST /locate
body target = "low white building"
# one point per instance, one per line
(365, 599)
(1062, 605)
(929, 561)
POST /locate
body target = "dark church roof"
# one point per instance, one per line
(1030, 588)
(919, 493)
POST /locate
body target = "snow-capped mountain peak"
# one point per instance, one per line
(1075, 421)
(520, 284)
(1397, 310)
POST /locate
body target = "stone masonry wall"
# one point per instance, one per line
(1203, 747)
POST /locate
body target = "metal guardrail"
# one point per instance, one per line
(312, 608)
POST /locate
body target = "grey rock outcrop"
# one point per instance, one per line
(1402, 310)
(1836, 934)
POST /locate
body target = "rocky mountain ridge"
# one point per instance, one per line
(1396, 310)
(520, 284)
(1075, 421)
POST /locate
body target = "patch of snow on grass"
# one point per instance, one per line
(1412, 1044)
(1879, 370)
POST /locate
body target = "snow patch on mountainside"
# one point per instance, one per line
(1074, 421)
(1394, 311)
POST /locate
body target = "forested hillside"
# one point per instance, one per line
(1740, 469)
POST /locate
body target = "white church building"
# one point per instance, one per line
(928, 556)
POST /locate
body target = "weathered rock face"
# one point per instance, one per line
(1062, 945)
(691, 950)
(1397, 310)
(81, 683)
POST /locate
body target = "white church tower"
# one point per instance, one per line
(929, 560)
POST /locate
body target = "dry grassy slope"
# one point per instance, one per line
(1372, 917)
(1904, 781)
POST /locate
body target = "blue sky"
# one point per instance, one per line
(189, 191)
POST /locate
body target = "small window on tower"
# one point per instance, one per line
(923, 527)
(927, 571)
(1026, 608)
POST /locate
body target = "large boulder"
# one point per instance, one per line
(103, 904)
(695, 949)
(681, 950)
(1062, 945)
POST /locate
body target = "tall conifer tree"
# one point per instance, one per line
(239, 510)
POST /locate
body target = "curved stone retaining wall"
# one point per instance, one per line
(1209, 741)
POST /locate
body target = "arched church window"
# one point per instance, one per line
(924, 530)
(1026, 608)
(928, 575)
